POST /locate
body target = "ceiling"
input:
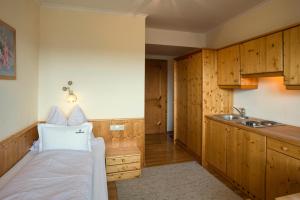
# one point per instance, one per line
(166, 50)
(182, 15)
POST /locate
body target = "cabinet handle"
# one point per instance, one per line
(250, 50)
(273, 45)
(284, 148)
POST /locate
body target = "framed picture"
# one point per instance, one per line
(7, 52)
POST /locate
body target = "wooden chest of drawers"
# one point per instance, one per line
(123, 163)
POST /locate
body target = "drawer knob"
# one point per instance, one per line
(284, 148)
(123, 160)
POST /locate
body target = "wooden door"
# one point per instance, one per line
(274, 52)
(180, 100)
(194, 110)
(292, 56)
(229, 66)
(216, 144)
(155, 96)
(254, 164)
(283, 175)
(253, 56)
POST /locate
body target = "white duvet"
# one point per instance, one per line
(53, 175)
(58, 175)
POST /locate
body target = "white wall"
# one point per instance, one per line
(103, 54)
(271, 100)
(170, 98)
(18, 98)
(175, 38)
(266, 17)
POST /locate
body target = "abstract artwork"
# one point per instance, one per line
(7, 52)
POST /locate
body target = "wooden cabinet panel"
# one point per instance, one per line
(229, 66)
(180, 97)
(253, 56)
(246, 159)
(285, 148)
(234, 151)
(292, 56)
(274, 52)
(216, 144)
(283, 175)
(254, 164)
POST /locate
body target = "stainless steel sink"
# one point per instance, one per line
(230, 117)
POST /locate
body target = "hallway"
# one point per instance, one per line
(160, 150)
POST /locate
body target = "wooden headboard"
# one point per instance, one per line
(15, 147)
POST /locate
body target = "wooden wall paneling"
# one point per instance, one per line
(215, 100)
(134, 133)
(15, 147)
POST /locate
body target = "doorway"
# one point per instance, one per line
(156, 72)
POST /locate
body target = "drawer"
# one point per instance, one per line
(122, 160)
(123, 175)
(123, 167)
(285, 148)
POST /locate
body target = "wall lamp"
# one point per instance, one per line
(71, 98)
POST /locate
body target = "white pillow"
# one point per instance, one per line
(53, 137)
(76, 117)
(56, 116)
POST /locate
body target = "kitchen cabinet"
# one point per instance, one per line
(262, 56)
(238, 154)
(253, 56)
(283, 169)
(292, 58)
(216, 144)
(229, 70)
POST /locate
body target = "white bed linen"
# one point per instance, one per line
(86, 179)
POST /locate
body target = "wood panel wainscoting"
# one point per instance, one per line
(134, 133)
(16, 146)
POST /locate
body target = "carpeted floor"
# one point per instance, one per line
(183, 181)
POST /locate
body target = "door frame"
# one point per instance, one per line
(165, 73)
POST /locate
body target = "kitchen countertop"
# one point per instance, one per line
(285, 133)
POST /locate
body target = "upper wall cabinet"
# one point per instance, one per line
(262, 56)
(292, 58)
(229, 70)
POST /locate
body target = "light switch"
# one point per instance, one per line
(117, 127)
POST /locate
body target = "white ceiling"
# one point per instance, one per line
(182, 15)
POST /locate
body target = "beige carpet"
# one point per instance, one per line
(184, 181)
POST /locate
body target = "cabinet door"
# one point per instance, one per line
(253, 56)
(229, 66)
(194, 129)
(234, 151)
(216, 145)
(181, 100)
(283, 175)
(292, 56)
(254, 164)
(274, 53)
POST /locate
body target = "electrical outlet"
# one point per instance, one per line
(117, 127)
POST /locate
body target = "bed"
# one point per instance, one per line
(58, 175)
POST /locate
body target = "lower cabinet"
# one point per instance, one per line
(240, 155)
(246, 156)
(283, 169)
(216, 144)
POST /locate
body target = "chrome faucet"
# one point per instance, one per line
(242, 111)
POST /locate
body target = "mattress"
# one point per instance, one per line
(58, 175)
